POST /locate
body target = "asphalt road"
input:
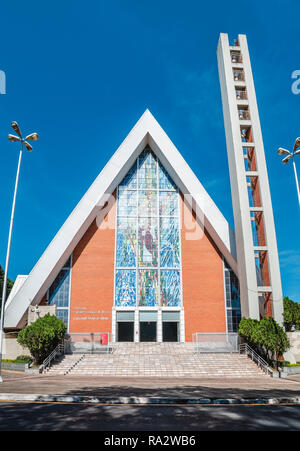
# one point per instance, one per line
(21, 416)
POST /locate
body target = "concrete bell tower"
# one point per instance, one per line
(257, 255)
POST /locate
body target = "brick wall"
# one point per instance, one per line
(203, 286)
(93, 279)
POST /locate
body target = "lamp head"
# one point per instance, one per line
(28, 146)
(16, 128)
(282, 151)
(297, 144)
(13, 138)
(286, 159)
(32, 137)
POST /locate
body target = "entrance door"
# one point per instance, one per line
(147, 331)
(170, 331)
(125, 326)
(171, 325)
(125, 331)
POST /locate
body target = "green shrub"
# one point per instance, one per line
(288, 364)
(42, 336)
(291, 314)
(272, 337)
(19, 359)
(284, 362)
(266, 337)
(247, 329)
(24, 359)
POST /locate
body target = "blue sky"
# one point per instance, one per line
(82, 73)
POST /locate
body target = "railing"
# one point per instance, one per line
(89, 343)
(59, 350)
(246, 349)
(215, 342)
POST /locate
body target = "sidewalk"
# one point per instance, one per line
(46, 388)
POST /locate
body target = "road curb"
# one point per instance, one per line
(144, 400)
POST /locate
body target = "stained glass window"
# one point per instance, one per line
(148, 237)
(148, 242)
(127, 203)
(147, 203)
(125, 288)
(169, 243)
(59, 292)
(170, 287)
(233, 302)
(165, 181)
(129, 181)
(147, 174)
(168, 203)
(126, 242)
(148, 287)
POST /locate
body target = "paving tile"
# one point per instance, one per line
(157, 360)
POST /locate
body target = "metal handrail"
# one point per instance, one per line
(92, 342)
(60, 349)
(230, 339)
(256, 358)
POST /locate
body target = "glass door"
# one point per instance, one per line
(170, 331)
(148, 331)
(125, 331)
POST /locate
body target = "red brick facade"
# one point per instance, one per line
(202, 281)
(92, 283)
(92, 286)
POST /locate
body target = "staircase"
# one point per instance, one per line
(158, 360)
(65, 364)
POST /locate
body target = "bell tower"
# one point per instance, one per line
(257, 255)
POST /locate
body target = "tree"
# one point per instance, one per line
(291, 314)
(42, 336)
(9, 284)
(247, 329)
(266, 336)
(272, 338)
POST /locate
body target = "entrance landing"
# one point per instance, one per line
(170, 360)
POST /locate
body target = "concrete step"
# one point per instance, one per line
(157, 360)
(65, 364)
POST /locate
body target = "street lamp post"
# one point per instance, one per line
(291, 155)
(23, 142)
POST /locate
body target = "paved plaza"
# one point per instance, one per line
(153, 370)
(264, 387)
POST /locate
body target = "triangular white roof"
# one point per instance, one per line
(146, 131)
(16, 286)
